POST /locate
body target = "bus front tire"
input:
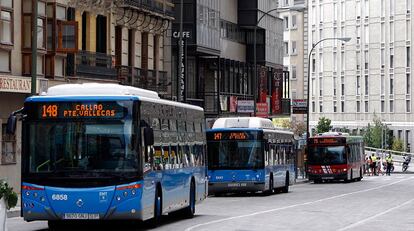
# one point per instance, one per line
(189, 211)
(154, 222)
(286, 187)
(271, 189)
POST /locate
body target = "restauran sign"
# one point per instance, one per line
(20, 84)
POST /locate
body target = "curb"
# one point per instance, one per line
(13, 213)
(302, 181)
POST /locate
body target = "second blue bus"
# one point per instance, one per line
(249, 154)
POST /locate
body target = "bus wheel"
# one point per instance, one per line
(190, 210)
(153, 223)
(271, 189)
(360, 175)
(286, 188)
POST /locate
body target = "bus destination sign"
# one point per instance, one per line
(326, 141)
(230, 136)
(107, 110)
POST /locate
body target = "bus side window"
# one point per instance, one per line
(190, 155)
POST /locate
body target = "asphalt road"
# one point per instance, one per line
(375, 203)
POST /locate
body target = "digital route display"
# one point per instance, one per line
(104, 110)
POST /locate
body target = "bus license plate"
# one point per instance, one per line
(237, 184)
(81, 216)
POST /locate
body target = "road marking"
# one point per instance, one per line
(378, 215)
(292, 206)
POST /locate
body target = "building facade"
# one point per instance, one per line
(114, 41)
(369, 76)
(295, 57)
(219, 70)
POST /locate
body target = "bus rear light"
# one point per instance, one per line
(30, 188)
(134, 186)
(345, 170)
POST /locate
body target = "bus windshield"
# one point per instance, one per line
(327, 155)
(81, 146)
(91, 139)
(235, 154)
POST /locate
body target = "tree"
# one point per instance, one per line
(298, 128)
(377, 135)
(324, 125)
(398, 145)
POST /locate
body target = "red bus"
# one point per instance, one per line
(335, 156)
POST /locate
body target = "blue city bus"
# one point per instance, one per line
(110, 152)
(249, 154)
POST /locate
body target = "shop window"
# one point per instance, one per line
(8, 144)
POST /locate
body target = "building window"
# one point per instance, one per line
(320, 87)
(391, 86)
(358, 105)
(342, 86)
(382, 58)
(358, 85)
(392, 61)
(335, 12)
(382, 84)
(6, 22)
(407, 84)
(391, 106)
(320, 107)
(366, 34)
(391, 31)
(358, 60)
(313, 63)
(286, 22)
(366, 85)
(334, 106)
(335, 62)
(286, 48)
(408, 106)
(366, 106)
(407, 140)
(408, 30)
(5, 61)
(334, 85)
(382, 106)
(342, 106)
(8, 144)
(293, 72)
(408, 54)
(313, 107)
(294, 49)
(366, 60)
(294, 23)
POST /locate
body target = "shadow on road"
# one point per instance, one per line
(120, 225)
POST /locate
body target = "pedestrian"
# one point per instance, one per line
(379, 170)
(374, 164)
(388, 159)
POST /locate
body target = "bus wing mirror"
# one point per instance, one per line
(11, 124)
(148, 136)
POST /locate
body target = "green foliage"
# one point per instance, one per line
(398, 145)
(324, 125)
(6, 192)
(377, 133)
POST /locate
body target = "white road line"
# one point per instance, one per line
(292, 206)
(378, 215)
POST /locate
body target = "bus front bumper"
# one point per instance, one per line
(340, 176)
(233, 187)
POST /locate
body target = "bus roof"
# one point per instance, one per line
(105, 92)
(246, 122)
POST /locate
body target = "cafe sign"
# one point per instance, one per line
(21, 84)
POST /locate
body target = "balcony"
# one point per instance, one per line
(163, 7)
(92, 65)
(146, 79)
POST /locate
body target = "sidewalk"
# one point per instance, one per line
(14, 212)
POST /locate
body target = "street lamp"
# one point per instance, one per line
(296, 8)
(345, 39)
